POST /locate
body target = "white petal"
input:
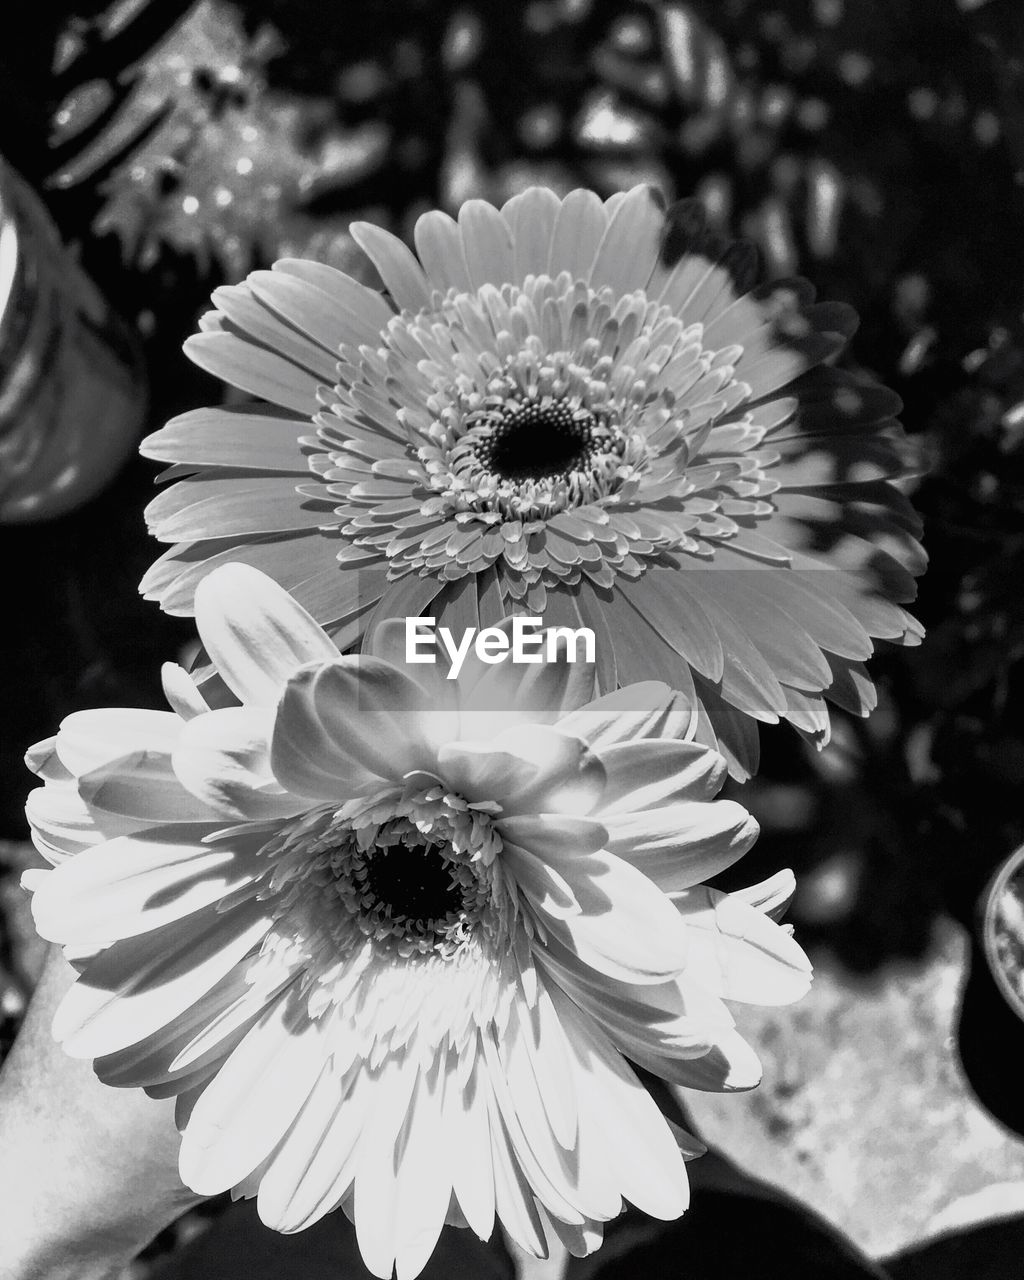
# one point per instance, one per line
(138, 883)
(181, 691)
(577, 232)
(350, 724)
(552, 837)
(375, 1197)
(527, 768)
(138, 985)
(255, 369)
(625, 927)
(466, 1120)
(255, 633)
(312, 1168)
(88, 739)
(684, 843)
(254, 1097)
(731, 1066)
(154, 1060)
(628, 250)
(772, 896)
(531, 1141)
(63, 824)
(142, 788)
(223, 758)
(424, 1177)
(652, 772)
(739, 953)
(43, 760)
(514, 1200)
(640, 1147)
(648, 709)
(439, 247)
(396, 265)
(676, 1018)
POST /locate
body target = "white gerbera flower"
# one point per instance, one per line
(563, 406)
(393, 940)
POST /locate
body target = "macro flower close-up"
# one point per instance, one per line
(395, 943)
(582, 409)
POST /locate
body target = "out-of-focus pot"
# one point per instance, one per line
(72, 390)
(990, 1033)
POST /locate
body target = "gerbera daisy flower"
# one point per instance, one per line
(394, 941)
(567, 408)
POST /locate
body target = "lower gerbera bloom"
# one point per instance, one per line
(562, 406)
(394, 941)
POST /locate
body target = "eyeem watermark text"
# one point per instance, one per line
(528, 641)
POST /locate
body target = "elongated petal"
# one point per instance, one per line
(624, 927)
(139, 984)
(144, 787)
(653, 772)
(223, 758)
(342, 724)
(255, 633)
(63, 825)
(684, 843)
(134, 884)
(526, 769)
(648, 709)
(739, 953)
(253, 1099)
(90, 739)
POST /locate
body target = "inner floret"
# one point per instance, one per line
(411, 875)
(411, 885)
(541, 439)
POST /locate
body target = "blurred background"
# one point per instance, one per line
(874, 146)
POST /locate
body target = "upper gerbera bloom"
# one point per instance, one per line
(391, 939)
(560, 396)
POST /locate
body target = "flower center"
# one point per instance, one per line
(411, 875)
(412, 885)
(540, 440)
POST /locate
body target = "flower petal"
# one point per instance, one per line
(639, 1146)
(255, 633)
(628, 250)
(43, 760)
(530, 768)
(142, 787)
(552, 836)
(396, 265)
(625, 926)
(684, 843)
(63, 825)
(350, 724)
(255, 369)
(254, 1097)
(88, 739)
(134, 884)
(648, 709)
(653, 772)
(139, 984)
(223, 758)
(739, 953)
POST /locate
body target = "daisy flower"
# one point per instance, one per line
(566, 407)
(394, 941)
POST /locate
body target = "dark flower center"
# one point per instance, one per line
(540, 440)
(411, 883)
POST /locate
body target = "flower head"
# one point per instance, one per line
(391, 939)
(561, 405)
